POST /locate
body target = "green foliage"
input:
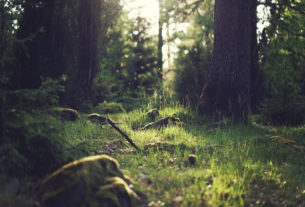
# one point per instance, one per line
(277, 110)
(285, 103)
(67, 38)
(33, 144)
(32, 139)
(45, 96)
(140, 63)
(129, 66)
(194, 56)
(283, 60)
(191, 73)
(9, 16)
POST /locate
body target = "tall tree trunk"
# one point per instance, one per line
(168, 41)
(1, 117)
(89, 22)
(256, 75)
(160, 41)
(227, 93)
(2, 31)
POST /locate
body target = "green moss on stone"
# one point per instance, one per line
(76, 183)
(67, 114)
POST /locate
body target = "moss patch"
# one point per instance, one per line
(87, 182)
(66, 114)
(97, 118)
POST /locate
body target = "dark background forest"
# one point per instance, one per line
(88, 55)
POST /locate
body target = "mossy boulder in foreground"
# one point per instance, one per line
(89, 182)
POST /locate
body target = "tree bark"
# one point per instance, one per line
(1, 118)
(89, 22)
(2, 31)
(255, 74)
(227, 93)
(160, 42)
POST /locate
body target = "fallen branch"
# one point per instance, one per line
(122, 133)
(159, 123)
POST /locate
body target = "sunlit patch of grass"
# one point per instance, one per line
(236, 165)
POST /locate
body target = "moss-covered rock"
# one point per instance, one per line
(91, 181)
(153, 113)
(66, 114)
(115, 193)
(192, 159)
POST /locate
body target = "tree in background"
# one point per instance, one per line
(129, 68)
(34, 57)
(256, 74)
(194, 56)
(46, 41)
(141, 63)
(171, 11)
(227, 92)
(67, 39)
(9, 15)
(282, 59)
(160, 40)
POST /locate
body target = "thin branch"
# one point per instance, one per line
(122, 133)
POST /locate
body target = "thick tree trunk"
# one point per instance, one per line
(2, 111)
(227, 93)
(89, 22)
(256, 74)
(2, 32)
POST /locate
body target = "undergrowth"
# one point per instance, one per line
(236, 165)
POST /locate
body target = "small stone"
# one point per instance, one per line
(192, 159)
(178, 199)
(153, 113)
(97, 118)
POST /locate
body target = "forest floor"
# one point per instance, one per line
(196, 163)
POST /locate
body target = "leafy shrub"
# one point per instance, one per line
(194, 56)
(283, 65)
(285, 102)
(32, 141)
(284, 110)
(33, 144)
(15, 163)
(45, 96)
(191, 73)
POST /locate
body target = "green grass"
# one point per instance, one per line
(237, 165)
